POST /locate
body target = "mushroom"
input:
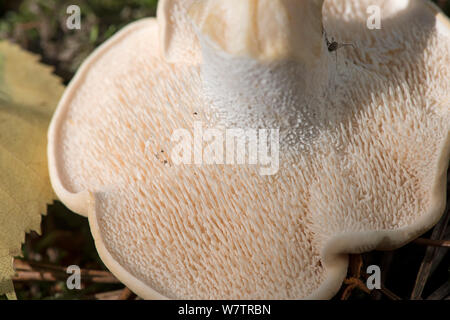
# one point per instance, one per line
(363, 143)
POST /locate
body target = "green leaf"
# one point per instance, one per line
(29, 93)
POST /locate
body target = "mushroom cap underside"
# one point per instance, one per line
(372, 177)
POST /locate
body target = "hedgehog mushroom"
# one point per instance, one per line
(363, 143)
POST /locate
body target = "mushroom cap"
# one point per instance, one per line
(371, 176)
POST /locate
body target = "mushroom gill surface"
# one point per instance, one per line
(362, 163)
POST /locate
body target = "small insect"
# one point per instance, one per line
(334, 46)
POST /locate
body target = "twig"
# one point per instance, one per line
(34, 271)
(109, 295)
(427, 262)
(35, 276)
(440, 252)
(20, 264)
(388, 293)
(126, 294)
(433, 243)
(440, 293)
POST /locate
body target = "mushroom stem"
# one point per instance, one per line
(260, 66)
(248, 91)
